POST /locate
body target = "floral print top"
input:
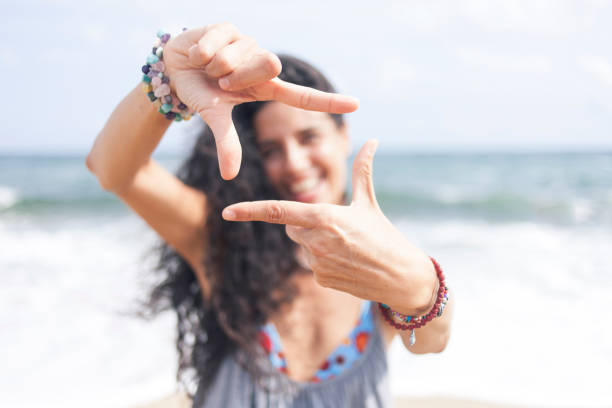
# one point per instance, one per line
(339, 360)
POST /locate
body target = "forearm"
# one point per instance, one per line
(127, 141)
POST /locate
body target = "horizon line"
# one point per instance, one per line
(385, 151)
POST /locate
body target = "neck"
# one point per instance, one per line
(313, 301)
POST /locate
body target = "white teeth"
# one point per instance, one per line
(303, 186)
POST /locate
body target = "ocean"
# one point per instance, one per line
(524, 240)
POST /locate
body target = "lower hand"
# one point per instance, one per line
(353, 248)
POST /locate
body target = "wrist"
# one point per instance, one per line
(402, 321)
(415, 288)
(156, 83)
(150, 111)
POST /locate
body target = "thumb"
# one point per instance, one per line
(229, 151)
(363, 186)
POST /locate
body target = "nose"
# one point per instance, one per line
(297, 159)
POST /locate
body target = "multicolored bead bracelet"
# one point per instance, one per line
(157, 85)
(407, 322)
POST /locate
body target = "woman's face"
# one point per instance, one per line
(304, 153)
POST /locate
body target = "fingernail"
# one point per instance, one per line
(224, 83)
(229, 215)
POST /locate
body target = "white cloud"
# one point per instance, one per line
(599, 67)
(533, 64)
(8, 57)
(535, 17)
(95, 34)
(395, 76)
(422, 16)
(55, 55)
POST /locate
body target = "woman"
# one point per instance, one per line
(275, 312)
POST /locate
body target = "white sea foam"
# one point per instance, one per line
(8, 197)
(64, 294)
(582, 209)
(450, 194)
(528, 324)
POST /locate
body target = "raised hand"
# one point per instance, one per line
(353, 248)
(216, 67)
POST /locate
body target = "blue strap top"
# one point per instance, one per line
(365, 384)
(339, 360)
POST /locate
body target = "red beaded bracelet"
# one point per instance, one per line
(415, 322)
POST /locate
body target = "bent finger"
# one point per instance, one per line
(228, 58)
(261, 67)
(306, 98)
(214, 38)
(187, 39)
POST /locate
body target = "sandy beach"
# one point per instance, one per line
(180, 400)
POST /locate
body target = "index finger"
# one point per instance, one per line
(275, 212)
(306, 98)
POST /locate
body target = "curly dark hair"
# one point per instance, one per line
(247, 264)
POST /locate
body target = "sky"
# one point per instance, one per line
(431, 75)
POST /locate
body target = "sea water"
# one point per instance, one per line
(525, 241)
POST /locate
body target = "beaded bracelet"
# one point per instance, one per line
(415, 322)
(157, 85)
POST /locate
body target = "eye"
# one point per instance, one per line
(309, 136)
(269, 152)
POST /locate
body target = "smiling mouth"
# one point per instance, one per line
(305, 190)
(303, 186)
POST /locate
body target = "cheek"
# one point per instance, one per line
(326, 149)
(273, 169)
(332, 157)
